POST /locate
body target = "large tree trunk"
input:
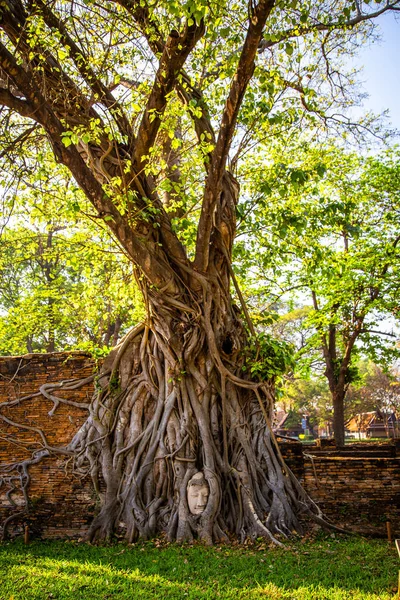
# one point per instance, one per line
(176, 401)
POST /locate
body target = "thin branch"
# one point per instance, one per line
(20, 106)
(301, 31)
(83, 66)
(393, 335)
(23, 137)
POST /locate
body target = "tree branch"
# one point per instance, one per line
(203, 127)
(241, 79)
(23, 137)
(176, 50)
(43, 114)
(45, 72)
(347, 354)
(301, 31)
(105, 159)
(393, 335)
(20, 106)
(183, 85)
(81, 62)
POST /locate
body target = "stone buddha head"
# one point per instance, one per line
(198, 492)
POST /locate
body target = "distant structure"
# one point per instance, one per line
(291, 424)
(367, 425)
(374, 424)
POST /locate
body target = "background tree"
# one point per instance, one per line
(333, 235)
(305, 389)
(65, 284)
(63, 292)
(309, 397)
(379, 391)
(151, 107)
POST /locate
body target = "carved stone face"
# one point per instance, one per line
(197, 493)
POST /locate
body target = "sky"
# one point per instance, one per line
(381, 73)
(381, 80)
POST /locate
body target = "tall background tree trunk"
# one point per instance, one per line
(338, 417)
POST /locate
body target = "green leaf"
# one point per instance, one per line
(289, 49)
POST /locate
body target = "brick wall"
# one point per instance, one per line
(62, 504)
(356, 489)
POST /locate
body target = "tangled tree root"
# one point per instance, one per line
(151, 429)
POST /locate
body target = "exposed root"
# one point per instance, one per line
(145, 440)
(173, 406)
(8, 521)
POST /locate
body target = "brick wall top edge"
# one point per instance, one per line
(46, 355)
(351, 458)
(32, 365)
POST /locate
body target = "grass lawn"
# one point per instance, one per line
(326, 568)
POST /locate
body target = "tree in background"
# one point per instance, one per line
(65, 285)
(309, 397)
(327, 229)
(379, 392)
(304, 389)
(63, 292)
(152, 107)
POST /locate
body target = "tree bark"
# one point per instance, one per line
(175, 401)
(338, 417)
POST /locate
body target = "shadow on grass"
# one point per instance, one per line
(333, 569)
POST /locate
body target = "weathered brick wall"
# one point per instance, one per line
(62, 504)
(355, 489)
(356, 492)
(292, 452)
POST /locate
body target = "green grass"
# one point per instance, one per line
(323, 569)
(357, 440)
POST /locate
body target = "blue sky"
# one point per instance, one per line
(381, 74)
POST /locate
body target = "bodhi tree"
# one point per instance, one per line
(150, 105)
(333, 240)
